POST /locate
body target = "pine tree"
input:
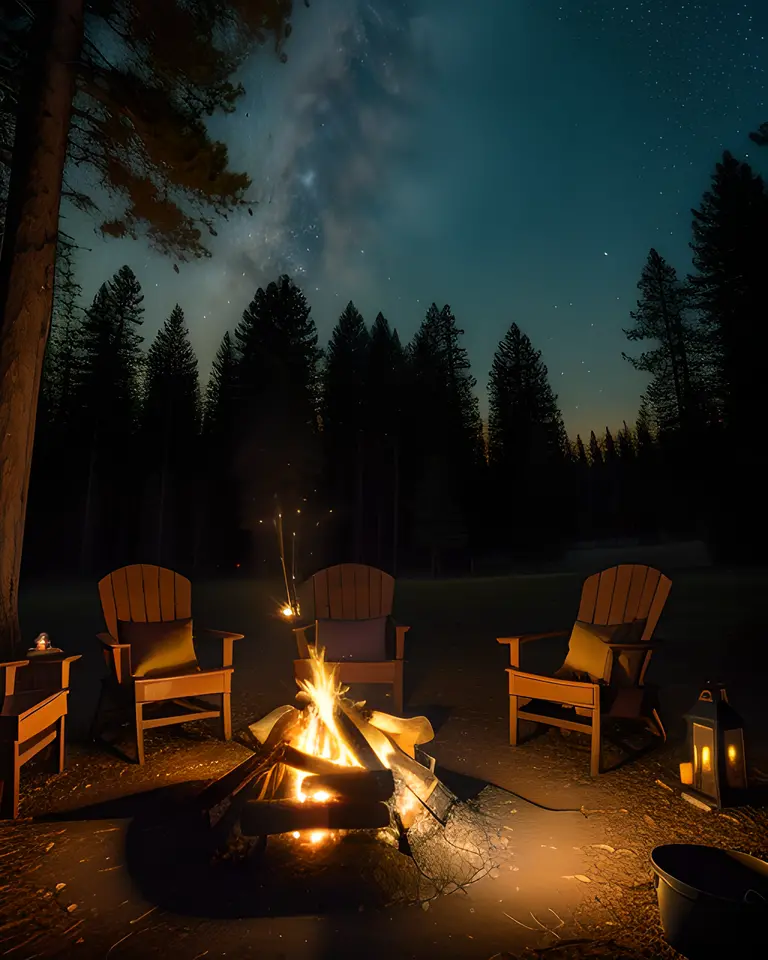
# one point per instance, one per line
(220, 393)
(277, 459)
(344, 416)
(385, 389)
(218, 511)
(595, 451)
(730, 285)
(524, 424)
(106, 396)
(444, 448)
(108, 384)
(526, 450)
(170, 423)
(385, 380)
(171, 408)
(582, 487)
(647, 495)
(663, 315)
(579, 452)
(626, 444)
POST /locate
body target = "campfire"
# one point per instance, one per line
(328, 766)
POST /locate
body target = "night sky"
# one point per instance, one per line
(516, 163)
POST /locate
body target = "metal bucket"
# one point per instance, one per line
(713, 902)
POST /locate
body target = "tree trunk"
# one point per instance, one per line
(27, 272)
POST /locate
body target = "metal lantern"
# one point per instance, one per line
(717, 769)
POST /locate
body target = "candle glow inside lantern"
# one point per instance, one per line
(717, 769)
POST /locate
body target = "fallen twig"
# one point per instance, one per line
(523, 925)
(117, 943)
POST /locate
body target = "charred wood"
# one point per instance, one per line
(266, 817)
(353, 784)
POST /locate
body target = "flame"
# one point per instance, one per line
(287, 612)
(320, 736)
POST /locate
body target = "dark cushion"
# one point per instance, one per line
(363, 640)
(160, 649)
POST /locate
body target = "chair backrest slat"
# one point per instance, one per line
(605, 595)
(351, 591)
(144, 593)
(624, 594)
(621, 586)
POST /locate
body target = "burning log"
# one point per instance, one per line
(277, 727)
(407, 732)
(361, 748)
(262, 728)
(266, 817)
(217, 798)
(307, 762)
(419, 780)
(352, 784)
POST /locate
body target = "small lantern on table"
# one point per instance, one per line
(717, 769)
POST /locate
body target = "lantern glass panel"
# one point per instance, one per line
(704, 773)
(735, 769)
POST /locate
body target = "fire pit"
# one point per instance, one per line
(332, 782)
(327, 766)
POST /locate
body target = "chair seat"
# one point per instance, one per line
(30, 708)
(551, 710)
(171, 672)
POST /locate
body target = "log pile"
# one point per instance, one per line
(386, 788)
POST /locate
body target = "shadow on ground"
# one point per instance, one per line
(171, 857)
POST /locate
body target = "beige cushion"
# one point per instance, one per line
(590, 657)
(161, 649)
(361, 640)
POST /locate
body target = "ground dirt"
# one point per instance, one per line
(99, 864)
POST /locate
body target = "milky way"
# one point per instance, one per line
(516, 163)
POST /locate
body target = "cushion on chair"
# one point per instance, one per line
(159, 649)
(590, 657)
(362, 640)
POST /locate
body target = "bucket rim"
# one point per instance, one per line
(694, 893)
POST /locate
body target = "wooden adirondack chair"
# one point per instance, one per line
(33, 713)
(150, 654)
(348, 602)
(608, 655)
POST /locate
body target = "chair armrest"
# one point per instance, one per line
(9, 675)
(227, 643)
(400, 632)
(51, 675)
(107, 640)
(117, 657)
(515, 642)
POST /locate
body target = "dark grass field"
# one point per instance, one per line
(714, 627)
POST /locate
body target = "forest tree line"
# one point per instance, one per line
(374, 450)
